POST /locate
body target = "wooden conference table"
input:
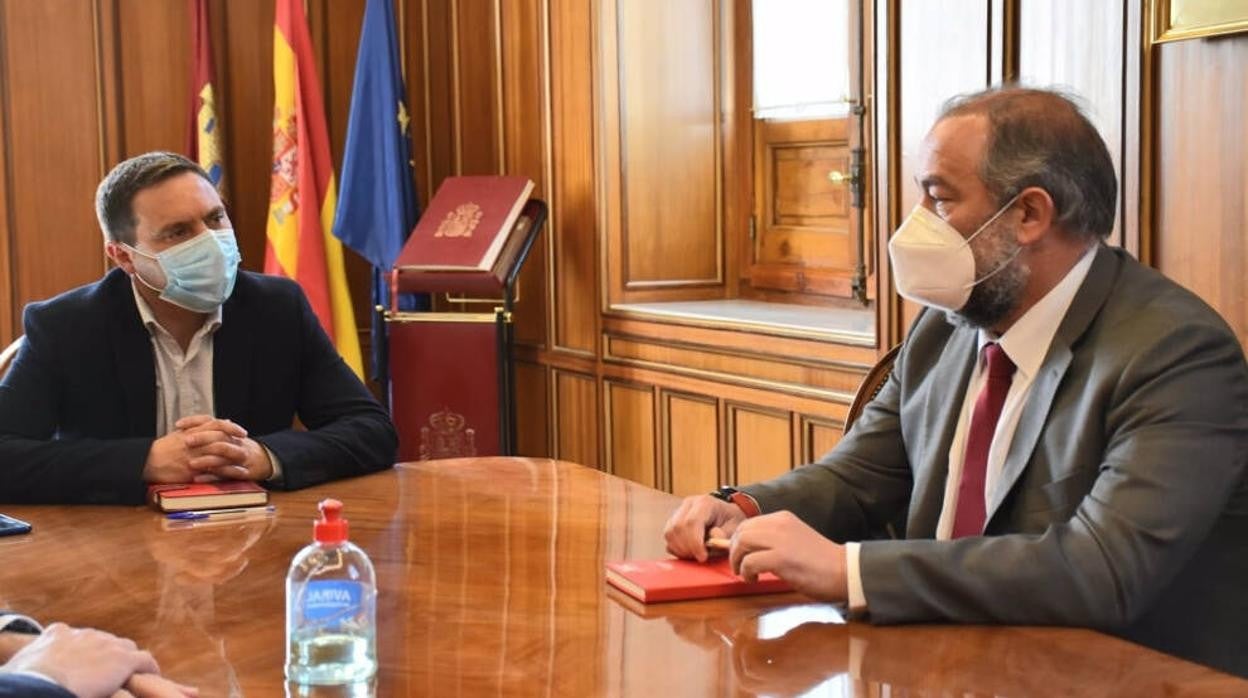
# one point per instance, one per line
(490, 576)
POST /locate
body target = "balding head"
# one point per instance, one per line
(1040, 138)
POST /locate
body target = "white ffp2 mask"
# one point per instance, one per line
(932, 262)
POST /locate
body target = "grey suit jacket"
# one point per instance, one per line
(1123, 504)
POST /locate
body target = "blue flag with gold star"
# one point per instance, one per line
(377, 205)
(377, 198)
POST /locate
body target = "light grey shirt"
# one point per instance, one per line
(183, 379)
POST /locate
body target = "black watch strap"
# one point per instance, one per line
(13, 623)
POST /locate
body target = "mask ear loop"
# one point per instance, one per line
(139, 276)
(994, 217)
(1001, 267)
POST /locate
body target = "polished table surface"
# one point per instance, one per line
(490, 575)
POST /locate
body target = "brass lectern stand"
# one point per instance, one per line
(452, 379)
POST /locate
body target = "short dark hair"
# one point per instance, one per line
(1041, 138)
(115, 196)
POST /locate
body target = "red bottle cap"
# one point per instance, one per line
(331, 528)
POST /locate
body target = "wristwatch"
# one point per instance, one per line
(13, 623)
(733, 495)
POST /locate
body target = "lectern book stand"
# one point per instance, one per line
(452, 377)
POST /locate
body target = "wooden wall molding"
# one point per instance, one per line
(755, 330)
(884, 161)
(631, 431)
(534, 418)
(1140, 145)
(558, 359)
(576, 410)
(575, 237)
(1202, 179)
(525, 120)
(843, 397)
(51, 150)
(751, 353)
(108, 77)
(816, 436)
(9, 322)
(743, 394)
(684, 439)
(643, 169)
(816, 346)
(794, 375)
(761, 442)
(630, 209)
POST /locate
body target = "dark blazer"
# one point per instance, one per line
(1124, 501)
(20, 686)
(78, 405)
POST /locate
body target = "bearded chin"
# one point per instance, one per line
(995, 297)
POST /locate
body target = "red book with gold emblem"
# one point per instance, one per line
(466, 224)
(649, 581)
(450, 372)
(226, 494)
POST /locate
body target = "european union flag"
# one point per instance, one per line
(377, 205)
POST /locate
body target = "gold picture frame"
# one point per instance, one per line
(1174, 20)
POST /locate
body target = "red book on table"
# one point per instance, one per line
(678, 580)
(466, 224)
(226, 494)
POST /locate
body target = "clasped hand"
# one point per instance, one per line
(93, 663)
(779, 543)
(203, 448)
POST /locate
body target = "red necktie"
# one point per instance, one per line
(969, 518)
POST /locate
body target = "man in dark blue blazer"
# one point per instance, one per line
(176, 366)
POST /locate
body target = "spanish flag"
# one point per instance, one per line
(205, 141)
(302, 196)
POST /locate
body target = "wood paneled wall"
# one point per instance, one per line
(85, 84)
(54, 151)
(567, 92)
(943, 51)
(661, 96)
(1089, 60)
(1094, 51)
(1201, 184)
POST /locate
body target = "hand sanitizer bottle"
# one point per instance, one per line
(331, 607)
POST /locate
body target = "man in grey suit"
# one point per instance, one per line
(1063, 438)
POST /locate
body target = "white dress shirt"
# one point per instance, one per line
(184, 378)
(1026, 343)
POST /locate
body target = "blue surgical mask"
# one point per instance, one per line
(199, 273)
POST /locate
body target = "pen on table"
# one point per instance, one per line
(221, 513)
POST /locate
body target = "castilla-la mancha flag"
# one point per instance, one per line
(205, 133)
(302, 196)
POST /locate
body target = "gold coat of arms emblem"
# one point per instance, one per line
(447, 436)
(460, 223)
